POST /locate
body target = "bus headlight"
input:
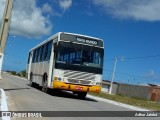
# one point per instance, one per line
(98, 83)
(59, 79)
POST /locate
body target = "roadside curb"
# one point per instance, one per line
(118, 103)
(3, 104)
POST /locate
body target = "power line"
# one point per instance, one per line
(138, 57)
(126, 74)
(110, 59)
(132, 77)
(143, 57)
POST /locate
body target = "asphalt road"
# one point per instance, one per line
(22, 97)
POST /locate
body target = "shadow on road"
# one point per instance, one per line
(66, 94)
(15, 89)
(63, 93)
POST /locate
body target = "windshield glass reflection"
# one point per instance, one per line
(81, 55)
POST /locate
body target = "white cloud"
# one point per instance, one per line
(145, 10)
(28, 20)
(153, 76)
(47, 8)
(65, 4)
(88, 13)
(149, 74)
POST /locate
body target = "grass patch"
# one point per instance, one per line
(131, 101)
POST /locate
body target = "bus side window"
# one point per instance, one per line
(41, 53)
(49, 46)
(47, 52)
(44, 53)
(37, 54)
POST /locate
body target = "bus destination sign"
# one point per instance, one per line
(87, 41)
(81, 39)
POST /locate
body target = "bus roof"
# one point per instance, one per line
(58, 34)
(45, 41)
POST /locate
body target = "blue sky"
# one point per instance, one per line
(129, 29)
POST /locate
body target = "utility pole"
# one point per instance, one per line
(5, 24)
(111, 86)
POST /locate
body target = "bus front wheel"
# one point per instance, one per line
(82, 95)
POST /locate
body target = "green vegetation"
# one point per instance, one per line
(131, 101)
(21, 73)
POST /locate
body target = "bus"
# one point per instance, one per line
(67, 61)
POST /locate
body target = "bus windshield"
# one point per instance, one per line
(79, 55)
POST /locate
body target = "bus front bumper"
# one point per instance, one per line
(73, 87)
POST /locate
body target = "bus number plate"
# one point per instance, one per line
(79, 88)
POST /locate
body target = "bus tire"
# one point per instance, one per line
(31, 80)
(44, 83)
(82, 95)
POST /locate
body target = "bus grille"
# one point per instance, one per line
(77, 77)
(79, 81)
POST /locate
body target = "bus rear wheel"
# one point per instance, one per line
(44, 84)
(31, 80)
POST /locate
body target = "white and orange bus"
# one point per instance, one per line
(67, 61)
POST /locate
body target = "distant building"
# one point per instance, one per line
(144, 91)
(149, 92)
(106, 86)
